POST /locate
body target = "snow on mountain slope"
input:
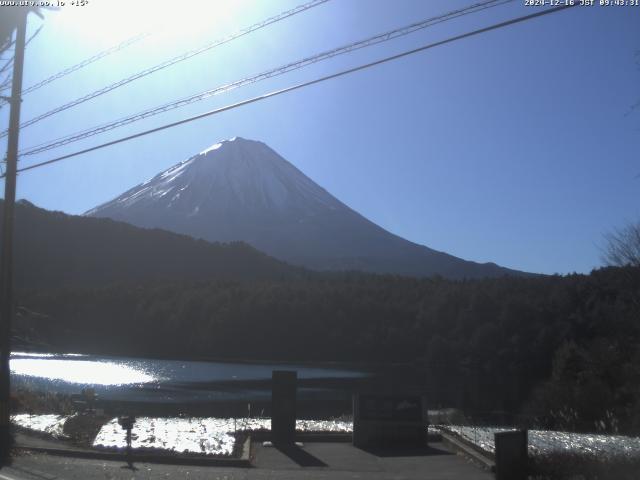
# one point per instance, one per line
(241, 189)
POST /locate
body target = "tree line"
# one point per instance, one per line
(562, 349)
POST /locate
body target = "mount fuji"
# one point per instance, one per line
(243, 190)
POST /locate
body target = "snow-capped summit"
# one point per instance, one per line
(229, 179)
(241, 189)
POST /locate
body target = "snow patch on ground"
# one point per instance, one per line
(210, 436)
(51, 424)
(548, 442)
(264, 424)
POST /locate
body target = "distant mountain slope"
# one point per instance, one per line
(243, 190)
(55, 249)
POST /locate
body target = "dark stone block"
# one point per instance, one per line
(283, 406)
(511, 455)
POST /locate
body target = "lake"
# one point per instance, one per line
(180, 383)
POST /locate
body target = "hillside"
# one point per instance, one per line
(55, 249)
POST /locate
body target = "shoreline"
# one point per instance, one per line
(344, 364)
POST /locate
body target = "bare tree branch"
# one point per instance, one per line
(623, 246)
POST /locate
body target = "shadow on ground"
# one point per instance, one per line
(300, 456)
(6, 446)
(405, 451)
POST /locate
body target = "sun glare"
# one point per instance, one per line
(109, 21)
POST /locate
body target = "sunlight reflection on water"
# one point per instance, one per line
(80, 371)
(166, 381)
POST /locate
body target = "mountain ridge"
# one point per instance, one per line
(242, 190)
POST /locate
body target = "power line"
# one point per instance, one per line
(8, 45)
(10, 62)
(174, 60)
(6, 65)
(63, 73)
(289, 67)
(33, 35)
(302, 85)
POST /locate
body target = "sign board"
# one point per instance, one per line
(389, 420)
(126, 422)
(511, 455)
(384, 408)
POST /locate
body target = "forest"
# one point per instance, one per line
(559, 351)
(562, 350)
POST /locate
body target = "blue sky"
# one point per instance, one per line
(512, 147)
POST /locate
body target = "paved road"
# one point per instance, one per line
(331, 461)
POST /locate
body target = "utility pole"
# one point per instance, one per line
(6, 256)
